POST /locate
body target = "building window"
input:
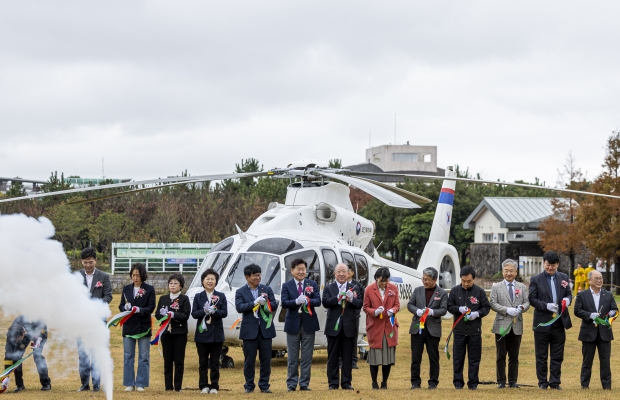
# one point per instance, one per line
(501, 237)
(377, 159)
(487, 238)
(427, 158)
(405, 157)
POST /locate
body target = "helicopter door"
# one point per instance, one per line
(313, 271)
(362, 269)
(347, 259)
(330, 261)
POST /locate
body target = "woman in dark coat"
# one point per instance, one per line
(137, 328)
(209, 308)
(174, 338)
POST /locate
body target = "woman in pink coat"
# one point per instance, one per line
(381, 303)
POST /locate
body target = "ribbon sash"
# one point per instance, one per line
(17, 364)
(555, 318)
(163, 324)
(121, 318)
(445, 349)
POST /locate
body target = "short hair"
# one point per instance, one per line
(551, 257)
(510, 261)
(468, 270)
(177, 277)
(298, 261)
(432, 272)
(580, 264)
(213, 272)
(382, 272)
(141, 269)
(88, 253)
(591, 272)
(251, 270)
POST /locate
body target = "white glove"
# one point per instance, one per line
(206, 307)
(463, 309)
(137, 310)
(301, 299)
(349, 296)
(593, 315)
(260, 300)
(171, 314)
(390, 312)
(473, 315)
(163, 311)
(127, 306)
(211, 309)
(420, 312)
(552, 307)
(378, 311)
(513, 312)
(431, 312)
(36, 343)
(611, 313)
(567, 301)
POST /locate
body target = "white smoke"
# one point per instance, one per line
(36, 281)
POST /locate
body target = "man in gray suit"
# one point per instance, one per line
(98, 283)
(435, 299)
(509, 299)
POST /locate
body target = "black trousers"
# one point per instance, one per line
(338, 347)
(604, 355)
(209, 358)
(262, 346)
(14, 352)
(432, 349)
(472, 344)
(173, 348)
(550, 345)
(509, 344)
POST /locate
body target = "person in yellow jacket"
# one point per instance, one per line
(580, 279)
(587, 271)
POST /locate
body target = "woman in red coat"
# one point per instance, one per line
(381, 303)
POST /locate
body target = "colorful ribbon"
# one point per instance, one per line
(15, 365)
(121, 317)
(445, 349)
(423, 319)
(5, 384)
(555, 318)
(163, 324)
(307, 307)
(392, 321)
(139, 335)
(266, 313)
(343, 302)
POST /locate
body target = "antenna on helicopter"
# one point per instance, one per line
(241, 234)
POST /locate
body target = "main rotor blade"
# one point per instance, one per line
(111, 195)
(416, 198)
(378, 192)
(523, 185)
(181, 179)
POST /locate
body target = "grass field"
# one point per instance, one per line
(62, 359)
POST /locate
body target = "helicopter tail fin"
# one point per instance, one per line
(440, 231)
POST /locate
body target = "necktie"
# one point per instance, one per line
(553, 293)
(299, 288)
(512, 296)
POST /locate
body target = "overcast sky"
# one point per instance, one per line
(506, 88)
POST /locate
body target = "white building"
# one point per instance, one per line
(403, 157)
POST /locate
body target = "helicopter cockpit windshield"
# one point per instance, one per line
(269, 264)
(217, 261)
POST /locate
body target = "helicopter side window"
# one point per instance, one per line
(362, 269)
(330, 261)
(269, 264)
(217, 261)
(224, 245)
(313, 271)
(347, 259)
(275, 246)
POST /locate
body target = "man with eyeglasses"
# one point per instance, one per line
(595, 307)
(98, 284)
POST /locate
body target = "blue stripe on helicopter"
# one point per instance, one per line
(446, 196)
(396, 279)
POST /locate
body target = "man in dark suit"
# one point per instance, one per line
(341, 299)
(547, 291)
(361, 291)
(98, 283)
(590, 304)
(435, 299)
(254, 332)
(299, 325)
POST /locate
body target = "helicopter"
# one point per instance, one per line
(318, 224)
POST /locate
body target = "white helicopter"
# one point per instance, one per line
(318, 224)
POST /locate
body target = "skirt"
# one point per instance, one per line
(383, 356)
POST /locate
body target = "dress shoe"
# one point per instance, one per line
(473, 388)
(543, 387)
(85, 388)
(375, 386)
(332, 387)
(415, 387)
(458, 387)
(249, 390)
(383, 385)
(556, 387)
(19, 388)
(46, 387)
(501, 385)
(585, 387)
(304, 388)
(290, 389)
(431, 387)
(347, 387)
(514, 386)
(96, 388)
(607, 388)
(265, 391)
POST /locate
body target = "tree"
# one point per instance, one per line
(560, 232)
(599, 217)
(71, 223)
(16, 189)
(111, 227)
(335, 163)
(413, 235)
